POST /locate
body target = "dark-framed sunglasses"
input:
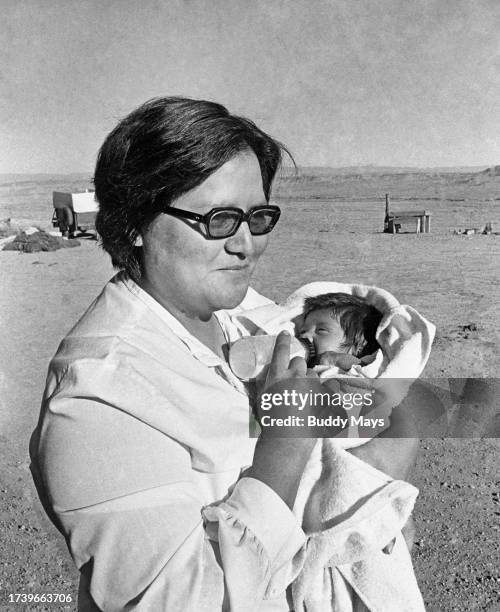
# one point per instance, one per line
(223, 222)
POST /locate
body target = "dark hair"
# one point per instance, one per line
(358, 319)
(163, 149)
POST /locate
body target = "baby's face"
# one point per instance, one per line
(324, 331)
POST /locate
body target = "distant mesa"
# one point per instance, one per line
(356, 172)
(494, 171)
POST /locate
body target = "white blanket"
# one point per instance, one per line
(350, 510)
(404, 335)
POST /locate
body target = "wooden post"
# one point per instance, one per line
(386, 219)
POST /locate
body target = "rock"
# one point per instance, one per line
(4, 241)
(469, 327)
(11, 227)
(38, 241)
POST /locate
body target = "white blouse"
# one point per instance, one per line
(138, 456)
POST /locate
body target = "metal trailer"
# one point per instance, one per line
(74, 212)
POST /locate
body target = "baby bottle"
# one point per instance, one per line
(249, 355)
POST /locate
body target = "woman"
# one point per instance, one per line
(140, 452)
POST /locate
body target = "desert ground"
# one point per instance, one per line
(331, 229)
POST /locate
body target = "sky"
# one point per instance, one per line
(339, 82)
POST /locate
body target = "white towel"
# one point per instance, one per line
(350, 510)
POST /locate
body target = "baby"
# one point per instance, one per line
(352, 513)
(337, 330)
(340, 329)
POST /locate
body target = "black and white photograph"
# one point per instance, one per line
(250, 306)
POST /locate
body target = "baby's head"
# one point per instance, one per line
(340, 323)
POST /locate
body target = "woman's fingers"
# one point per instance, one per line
(281, 357)
(311, 373)
(359, 383)
(298, 367)
(281, 367)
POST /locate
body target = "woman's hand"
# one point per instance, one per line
(418, 415)
(279, 461)
(344, 361)
(285, 376)
(394, 450)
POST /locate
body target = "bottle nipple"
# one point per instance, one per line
(310, 349)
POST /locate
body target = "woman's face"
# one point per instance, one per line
(192, 275)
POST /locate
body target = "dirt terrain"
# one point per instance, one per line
(331, 229)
